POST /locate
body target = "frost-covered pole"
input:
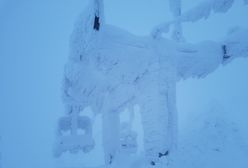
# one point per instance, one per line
(175, 7)
(99, 14)
(177, 35)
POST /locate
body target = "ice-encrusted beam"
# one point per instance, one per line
(200, 11)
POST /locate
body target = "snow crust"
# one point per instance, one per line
(211, 140)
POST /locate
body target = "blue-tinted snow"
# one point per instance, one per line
(32, 59)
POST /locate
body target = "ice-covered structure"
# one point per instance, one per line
(201, 11)
(110, 69)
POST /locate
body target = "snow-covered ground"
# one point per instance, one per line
(211, 139)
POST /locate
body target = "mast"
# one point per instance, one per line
(99, 14)
(175, 7)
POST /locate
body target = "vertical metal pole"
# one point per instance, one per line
(74, 120)
(99, 11)
(175, 7)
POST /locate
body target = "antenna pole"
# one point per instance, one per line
(99, 14)
(175, 7)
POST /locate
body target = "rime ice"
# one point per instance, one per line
(110, 69)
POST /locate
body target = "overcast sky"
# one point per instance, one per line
(34, 38)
